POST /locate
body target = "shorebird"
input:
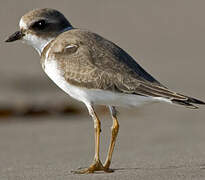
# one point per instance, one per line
(92, 70)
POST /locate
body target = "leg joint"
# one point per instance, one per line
(115, 130)
(97, 123)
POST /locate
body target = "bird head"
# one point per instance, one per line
(38, 27)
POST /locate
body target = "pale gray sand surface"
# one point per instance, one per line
(149, 146)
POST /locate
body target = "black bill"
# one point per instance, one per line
(14, 37)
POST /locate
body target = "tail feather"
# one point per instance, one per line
(160, 91)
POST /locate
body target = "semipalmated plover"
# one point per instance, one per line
(92, 70)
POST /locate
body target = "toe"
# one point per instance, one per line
(96, 166)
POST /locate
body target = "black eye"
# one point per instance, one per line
(39, 25)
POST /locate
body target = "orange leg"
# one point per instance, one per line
(96, 165)
(114, 130)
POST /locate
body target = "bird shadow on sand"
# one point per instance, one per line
(127, 169)
(144, 168)
(171, 167)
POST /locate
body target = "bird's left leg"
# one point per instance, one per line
(96, 165)
(114, 129)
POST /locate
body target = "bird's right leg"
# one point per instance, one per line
(96, 165)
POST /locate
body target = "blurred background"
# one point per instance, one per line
(165, 37)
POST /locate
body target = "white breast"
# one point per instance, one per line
(94, 96)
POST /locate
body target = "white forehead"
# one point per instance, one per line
(22, 24)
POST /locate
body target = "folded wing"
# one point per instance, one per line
(93, 62)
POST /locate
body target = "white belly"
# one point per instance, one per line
(95, 96)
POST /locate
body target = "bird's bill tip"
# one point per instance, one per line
(15, 36)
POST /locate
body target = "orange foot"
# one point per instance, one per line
(96, 166)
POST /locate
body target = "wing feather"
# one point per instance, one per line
(93, 62)
(90, 61)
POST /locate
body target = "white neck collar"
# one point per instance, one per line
(39, 43)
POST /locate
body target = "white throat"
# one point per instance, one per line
(37, 42)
